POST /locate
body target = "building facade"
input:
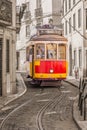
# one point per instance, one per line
(74, 23)
(7, 47)
(37, 13)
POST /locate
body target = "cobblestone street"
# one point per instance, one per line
(47, 107)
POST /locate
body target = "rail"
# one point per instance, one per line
(82, 97)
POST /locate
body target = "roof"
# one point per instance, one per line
(50, 37)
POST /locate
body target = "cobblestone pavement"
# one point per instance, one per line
(23, 111)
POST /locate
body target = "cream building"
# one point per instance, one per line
(7, 47)
(74, 21)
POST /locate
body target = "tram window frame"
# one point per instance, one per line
(51, 53)
(61, 54)
(40, 49)
(29, 53)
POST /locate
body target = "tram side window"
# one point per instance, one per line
(29, 53)
(61, 51)
(40, 51)
(51, 51)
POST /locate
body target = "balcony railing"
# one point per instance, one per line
(19, 15)
(38, 12)
(27, 15)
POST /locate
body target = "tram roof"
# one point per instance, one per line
(48, 37)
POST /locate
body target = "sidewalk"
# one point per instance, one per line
(21, 89)
(82, 125)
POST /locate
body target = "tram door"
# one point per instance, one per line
(86, 63)
(32, 61)
(1, 66)
(70, 59)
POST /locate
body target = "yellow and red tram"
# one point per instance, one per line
(47, 55)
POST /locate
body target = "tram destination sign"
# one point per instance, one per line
(5, 12)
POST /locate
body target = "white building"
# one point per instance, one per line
(38, 12)
(74, 21)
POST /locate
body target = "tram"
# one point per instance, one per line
(47, 56)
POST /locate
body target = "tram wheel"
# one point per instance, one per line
(35, 83)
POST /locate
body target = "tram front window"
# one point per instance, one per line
(51, 51)
(61, 51)
(40, 51)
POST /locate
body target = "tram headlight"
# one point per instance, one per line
(51, 71)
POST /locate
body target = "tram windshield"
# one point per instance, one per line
(51, 51)
(40, 51)
(61, 51)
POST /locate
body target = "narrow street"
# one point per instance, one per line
(41, 108)
(43, 64)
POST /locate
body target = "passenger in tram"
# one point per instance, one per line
(51, 51)
(40, 52)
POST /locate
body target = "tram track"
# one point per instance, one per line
(59, 101)
(14, 110)
(46, 101)
(56, 100)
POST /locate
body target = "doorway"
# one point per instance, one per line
(1, 41)
(70, 60)
(86, 63)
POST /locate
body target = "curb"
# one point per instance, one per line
(71, 83)
(73, 111)
(19, 95)
(74, 118)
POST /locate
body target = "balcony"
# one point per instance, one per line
(27, 17)
(5, 13)
(19, 14)
(38, 12)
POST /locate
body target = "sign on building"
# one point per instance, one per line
(5, 12)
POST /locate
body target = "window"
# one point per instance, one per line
(38, 3)
(79, 18)
(66, 28)
(51, 51)
(27, 6)
(29, 53)
(74, 22)
(40, 51)
(61, 51)
(74, 57)
(7, 55)
(70, 25)
(65, 6)
(27, 30)
(80, 57)
(86, 19)
(69, 4)
(73, 2)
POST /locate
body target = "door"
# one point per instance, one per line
(1, 40)
(86, 63)
(70, 60)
